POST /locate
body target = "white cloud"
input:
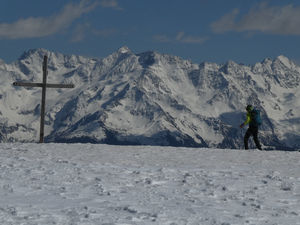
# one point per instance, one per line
(40, 26)
(79, 32)
(189, 39)
(226, 23)
(261, 17)
(110, 3)
(180, 37)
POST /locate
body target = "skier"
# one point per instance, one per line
(254, 120)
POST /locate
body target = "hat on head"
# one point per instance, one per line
(249, 107)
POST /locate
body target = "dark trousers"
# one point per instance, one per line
(252, 131)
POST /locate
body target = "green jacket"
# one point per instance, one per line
(249, 118)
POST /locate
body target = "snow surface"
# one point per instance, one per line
(102, 184)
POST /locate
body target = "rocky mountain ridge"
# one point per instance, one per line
(149, 99)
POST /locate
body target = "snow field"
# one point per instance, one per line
(102, 184)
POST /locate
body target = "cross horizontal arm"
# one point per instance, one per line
(60, 85)
(41, 85)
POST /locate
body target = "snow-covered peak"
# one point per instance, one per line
(2, 64)
(282, 60)
(209, 66)
(257, 68)
(34, 53)
(267, 61)
(230, 67)
(124, 49)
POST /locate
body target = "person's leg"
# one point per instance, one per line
(255, 133)
(246, 137)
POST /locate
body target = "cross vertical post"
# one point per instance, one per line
(43, 85)
(45, 73)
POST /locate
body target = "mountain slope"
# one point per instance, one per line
(149, 99)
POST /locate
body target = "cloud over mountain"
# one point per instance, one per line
(181, 38)
(281, 20)
(56, 23)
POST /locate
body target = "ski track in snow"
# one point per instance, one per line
(102, 184)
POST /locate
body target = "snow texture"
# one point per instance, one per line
(105, 184)
(149, 99)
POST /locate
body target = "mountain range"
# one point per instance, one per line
(150, 99)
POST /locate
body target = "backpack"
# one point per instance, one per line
(256, 120)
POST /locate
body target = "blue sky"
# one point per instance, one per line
(245, 31)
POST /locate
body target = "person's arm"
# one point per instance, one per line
(248, 120)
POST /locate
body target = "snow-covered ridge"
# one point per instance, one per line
(145, 185)
(149, 99)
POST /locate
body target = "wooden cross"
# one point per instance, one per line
(43, 85)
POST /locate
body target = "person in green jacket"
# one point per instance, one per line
(252, 130)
